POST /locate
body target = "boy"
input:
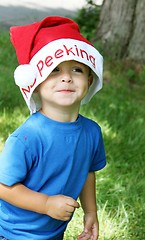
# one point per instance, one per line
(49, 161)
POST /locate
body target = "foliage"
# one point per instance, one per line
(119, 109)
(135, 71)
(9, 95)
(87, 19)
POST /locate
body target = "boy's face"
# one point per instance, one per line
(67, 85)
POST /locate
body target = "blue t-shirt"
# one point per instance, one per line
(49, 157)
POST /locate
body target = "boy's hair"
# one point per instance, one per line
(41, 46)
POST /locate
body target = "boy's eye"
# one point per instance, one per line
(77, 69)
(55, 70)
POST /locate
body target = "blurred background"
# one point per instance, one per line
(23, 12)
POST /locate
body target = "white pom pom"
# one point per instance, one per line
(25, 75)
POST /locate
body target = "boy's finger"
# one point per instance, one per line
(73, 203)
(77, 205)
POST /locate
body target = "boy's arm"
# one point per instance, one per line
(88, 202)
(59, 206)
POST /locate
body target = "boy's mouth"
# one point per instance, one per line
(65, 90)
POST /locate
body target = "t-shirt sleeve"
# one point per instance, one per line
(99, 158)
(15, 162)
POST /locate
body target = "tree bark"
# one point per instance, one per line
(121, 29)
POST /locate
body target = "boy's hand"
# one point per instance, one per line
(61, 207)
(91, 227)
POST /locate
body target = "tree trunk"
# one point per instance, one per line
(122, 29)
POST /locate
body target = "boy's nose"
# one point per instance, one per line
(66, 77)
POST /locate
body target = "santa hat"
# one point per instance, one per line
(41, 46)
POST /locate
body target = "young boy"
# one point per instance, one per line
(49, 161)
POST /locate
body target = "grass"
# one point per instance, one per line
(119, 109)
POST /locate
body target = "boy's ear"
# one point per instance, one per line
(90, 79)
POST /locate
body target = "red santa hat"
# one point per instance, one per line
(41, 46)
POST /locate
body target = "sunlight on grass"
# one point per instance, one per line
(110, 222)
(9, 121)
(75, 227)
(1, 144)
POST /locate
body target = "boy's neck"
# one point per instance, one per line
(61, 115)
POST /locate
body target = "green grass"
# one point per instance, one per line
(119, 109)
